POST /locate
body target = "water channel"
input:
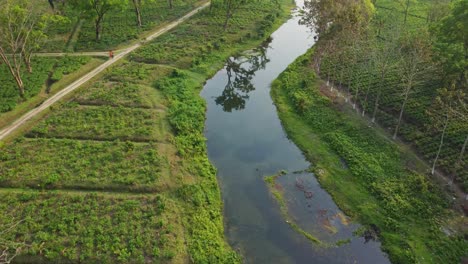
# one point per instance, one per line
(246, 142)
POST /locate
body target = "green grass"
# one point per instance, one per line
(377, 188)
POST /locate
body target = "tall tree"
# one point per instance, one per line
(447, 106)
(415, 62)
(97, 9)
(138, 5)
(333, 20)
(452, 44)
(22, 30)
(231, 6)
(384, 58)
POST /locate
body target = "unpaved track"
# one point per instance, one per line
(120, 54)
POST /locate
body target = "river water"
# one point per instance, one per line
(246, 142)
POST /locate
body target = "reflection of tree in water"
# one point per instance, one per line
(240, 71)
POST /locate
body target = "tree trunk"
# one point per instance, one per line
(136, 4)
(460, 158)
(20, 85)
(14, 70)
(228, 16)
(379, 93)
(98, 28)
(402, 110)
(170, 4)
(27, 61)
(440, 144)
(406, 10)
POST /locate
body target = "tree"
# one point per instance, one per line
(452, 44)
(231, 6)
(97, 9)
(406, 5)
(138, 4)
(448, 104)
(22, 27)
(384, 54)
(415, 62)
(333, 20)
(438, 10)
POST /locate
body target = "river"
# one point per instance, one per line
(246, 142)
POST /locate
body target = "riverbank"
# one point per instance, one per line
(412, 216)
(193, 62)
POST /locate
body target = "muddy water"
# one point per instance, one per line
(246, 142)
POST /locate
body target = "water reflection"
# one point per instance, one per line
(240, 72)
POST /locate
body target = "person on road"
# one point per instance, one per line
(111, 54)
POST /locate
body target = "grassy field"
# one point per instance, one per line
(379, 186)
(130, 145)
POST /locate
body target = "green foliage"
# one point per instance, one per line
(408, 209)
(199, 42)
(118, 105)
(102, 123)
(33, 82)
(80, 164)
(90, 228)
(120, 27)
(67, 65)
(36, 81)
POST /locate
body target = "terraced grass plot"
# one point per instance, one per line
(90, 227)
(53, 163)
(103, 123)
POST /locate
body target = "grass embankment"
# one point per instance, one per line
(136, 131)
(377, 188)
